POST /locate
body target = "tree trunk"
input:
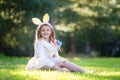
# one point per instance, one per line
(72, 45)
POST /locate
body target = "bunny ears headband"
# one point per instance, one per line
(38, 22)
(46, 18)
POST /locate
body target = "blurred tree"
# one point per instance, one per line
(84, 26)
(90, 22)
(16, 28)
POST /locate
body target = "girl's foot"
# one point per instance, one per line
(66, 70)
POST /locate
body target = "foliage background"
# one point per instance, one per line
(84, 26)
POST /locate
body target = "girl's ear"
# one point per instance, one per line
(36, 21)
(46, 17)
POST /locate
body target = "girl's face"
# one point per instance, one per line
(45, 32)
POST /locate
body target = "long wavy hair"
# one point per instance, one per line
(38, 33)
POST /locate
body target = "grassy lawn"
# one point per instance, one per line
(13, 68)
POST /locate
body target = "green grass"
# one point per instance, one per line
(13, 68)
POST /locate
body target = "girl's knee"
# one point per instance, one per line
(65, 62)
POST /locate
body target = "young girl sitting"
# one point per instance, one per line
(46, 56)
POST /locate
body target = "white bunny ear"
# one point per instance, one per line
(36, 21)
(46, 18)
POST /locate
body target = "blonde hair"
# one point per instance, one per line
(38, 35)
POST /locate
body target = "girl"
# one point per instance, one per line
(46, 55)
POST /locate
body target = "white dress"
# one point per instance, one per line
(43, 56)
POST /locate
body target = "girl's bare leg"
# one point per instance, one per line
(56, 67)
(73, 67)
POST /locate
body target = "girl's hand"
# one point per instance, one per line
(53, 56)
(61, 64)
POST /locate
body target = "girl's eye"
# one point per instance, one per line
(48, 30)
(43, 30)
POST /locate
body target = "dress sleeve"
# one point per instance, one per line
(39, 51)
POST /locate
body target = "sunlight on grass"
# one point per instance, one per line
(111, 73)
(41, 75)
(13, 68)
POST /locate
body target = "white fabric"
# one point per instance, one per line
(43, 24)
(43, 57)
